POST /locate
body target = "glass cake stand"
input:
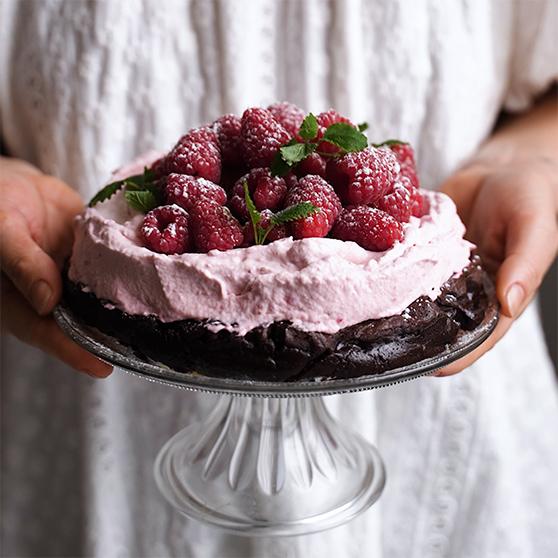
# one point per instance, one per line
(273, 462)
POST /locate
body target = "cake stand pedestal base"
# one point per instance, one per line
(265, 466)
(274, 462)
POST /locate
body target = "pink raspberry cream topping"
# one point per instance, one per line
(320, 284)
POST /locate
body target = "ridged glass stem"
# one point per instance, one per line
(269, 466)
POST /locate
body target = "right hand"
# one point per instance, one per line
(36, 214)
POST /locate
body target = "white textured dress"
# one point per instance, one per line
(84, 86)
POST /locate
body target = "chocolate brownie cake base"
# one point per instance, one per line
(282, 352)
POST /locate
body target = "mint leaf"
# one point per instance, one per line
(362, 126)
(389, 143)
(295, 153)
(289, 155)
(105, 193)
(255, 216)
(278, 167)
(141, 200)
(294, 212)
(292, 154)
(144, 181)
(309, 128)
(346, 137)
(298, 211)
(138, 186)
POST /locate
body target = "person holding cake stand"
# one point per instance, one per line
(75, 102)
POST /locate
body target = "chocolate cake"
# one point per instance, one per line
(252, 251)
(282, 352)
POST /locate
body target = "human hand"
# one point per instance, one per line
(36, 215)
(510, 211)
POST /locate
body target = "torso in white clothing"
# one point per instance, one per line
(85, 86)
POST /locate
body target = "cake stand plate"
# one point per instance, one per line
(274, 462)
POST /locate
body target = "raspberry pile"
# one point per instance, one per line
(204, 193)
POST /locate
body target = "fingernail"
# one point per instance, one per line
(101, 370)
(514, 298)
(40, 296)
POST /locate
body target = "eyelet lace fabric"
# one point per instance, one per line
(84, 86)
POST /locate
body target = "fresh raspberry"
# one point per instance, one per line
(202, 134)
(363, 177)
(266, 191)
(186, 191)
(325, 120)
(369, 227)
(406, 158)
(197, 154)
(276, 233)
(262, 136)
(313, 164)
(214, 227)
(228, 132)
(316, 190)
(288, 115)
(420, 205)
(165, 230)
(398, 202)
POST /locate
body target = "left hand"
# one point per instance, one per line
(510, 211)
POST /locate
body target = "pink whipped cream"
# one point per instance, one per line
(319, 284)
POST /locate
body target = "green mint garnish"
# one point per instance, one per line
(298, 211)
(289, 155)
(345, 136)
(254, 214)
(389, 143)
(141, 193)
(105, 193)
(295, 153)
(278, 166)
(294, 212)
(292, 154)
(309, 128)
(141, 200)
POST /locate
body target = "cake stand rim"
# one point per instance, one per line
(95, 341)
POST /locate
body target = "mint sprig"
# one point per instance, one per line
(105, 193)
(291, 213)
(142, 192)
(295, 153)
(254, 214)
(346, 137)
(141, 200)
(279, 167)
(289, 155)
(309, 128)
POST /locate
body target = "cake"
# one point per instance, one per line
(277, 246)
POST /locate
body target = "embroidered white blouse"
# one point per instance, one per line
(84, 86)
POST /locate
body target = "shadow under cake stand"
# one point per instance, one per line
(273, 462)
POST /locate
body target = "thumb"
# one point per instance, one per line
(531, 242)
(31, 270)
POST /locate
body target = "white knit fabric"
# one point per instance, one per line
(472, 460)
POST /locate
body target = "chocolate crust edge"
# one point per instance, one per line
(282, 352)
